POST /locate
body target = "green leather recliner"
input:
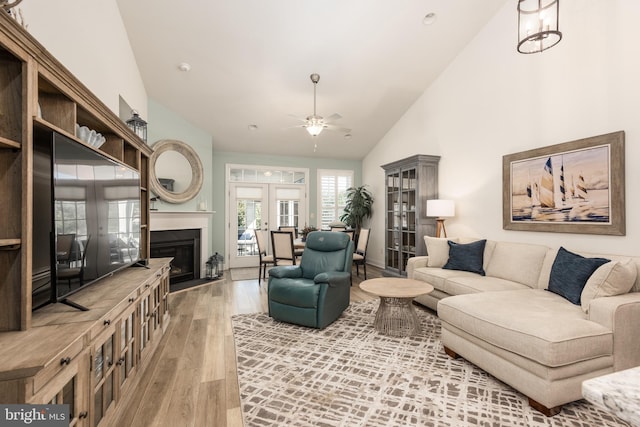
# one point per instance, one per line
(317, 291)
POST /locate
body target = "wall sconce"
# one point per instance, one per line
(441, 209)
(538, 25)
(137, 125)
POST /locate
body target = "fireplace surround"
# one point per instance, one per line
(187, 220)
(181, 245)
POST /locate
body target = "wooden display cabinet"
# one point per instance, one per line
(91, 359)
(409, 183)
(36, 90)
(87, 359)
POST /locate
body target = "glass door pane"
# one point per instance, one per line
(249, 212)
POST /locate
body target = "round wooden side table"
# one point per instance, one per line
(396, 315)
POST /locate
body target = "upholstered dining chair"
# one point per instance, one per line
(265, 260)
(316, 292)
(360, 257)
(349, 233)
(294, 230)
(282, 248)
(73, 273)
(64, 248)
(289, 228)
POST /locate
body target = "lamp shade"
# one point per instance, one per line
(441, 208)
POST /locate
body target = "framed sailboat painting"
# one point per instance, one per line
(573, 187)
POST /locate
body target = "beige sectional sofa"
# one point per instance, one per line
(538, 342)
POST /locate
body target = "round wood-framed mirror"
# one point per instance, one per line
(172, 184)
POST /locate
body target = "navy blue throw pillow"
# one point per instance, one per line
(466, 257)
(570, 273)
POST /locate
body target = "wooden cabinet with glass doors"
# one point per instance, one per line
(409, 183)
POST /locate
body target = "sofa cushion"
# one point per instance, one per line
(610, 279)
(467, 284)
(518, 262)
(438, 250)
(526, 322)
(570, 273)
(466, 257)
(437, 277)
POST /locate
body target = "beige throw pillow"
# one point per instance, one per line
(612, 278)
(438, 250)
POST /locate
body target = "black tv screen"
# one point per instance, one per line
(86, 217)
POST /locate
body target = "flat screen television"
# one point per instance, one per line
(86, 217)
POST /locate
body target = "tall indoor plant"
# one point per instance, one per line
(357, 207)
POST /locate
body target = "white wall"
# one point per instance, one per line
(89, 38)
(493, 101)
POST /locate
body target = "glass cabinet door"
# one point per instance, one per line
(103, 368)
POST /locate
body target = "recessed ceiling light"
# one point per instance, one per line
(429, 18)
(252, 127)
(183, 66)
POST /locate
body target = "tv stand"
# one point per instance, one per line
(127, 318)
(142, 263)
(73, 304)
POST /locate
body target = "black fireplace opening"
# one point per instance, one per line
(181, 245)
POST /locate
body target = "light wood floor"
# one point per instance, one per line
(191, 379)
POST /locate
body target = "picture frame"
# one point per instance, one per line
(572, 187)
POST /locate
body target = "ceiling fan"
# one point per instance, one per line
(315, 123)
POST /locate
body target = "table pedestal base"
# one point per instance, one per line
(397, 317)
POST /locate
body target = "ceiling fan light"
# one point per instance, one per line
(314, 129)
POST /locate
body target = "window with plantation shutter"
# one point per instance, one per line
(332, 187)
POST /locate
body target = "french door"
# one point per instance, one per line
(261, 207)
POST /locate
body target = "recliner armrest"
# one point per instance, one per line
(333, 278)
(286, 271)
(416, 262)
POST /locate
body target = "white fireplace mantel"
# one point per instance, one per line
(165, 220)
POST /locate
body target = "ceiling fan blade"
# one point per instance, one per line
(302, 119)
(329, 126)
(333, 117)
(296, 126)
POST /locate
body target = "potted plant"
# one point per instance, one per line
(357, 208)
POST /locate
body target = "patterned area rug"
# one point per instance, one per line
(349, 375)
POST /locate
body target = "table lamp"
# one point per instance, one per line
(441, 209)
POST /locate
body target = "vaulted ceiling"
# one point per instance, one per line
(251, 61)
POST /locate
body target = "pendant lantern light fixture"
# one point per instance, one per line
(538, 25)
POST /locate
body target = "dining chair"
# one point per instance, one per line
(73, 273)
(294, 230)
(360, 256)
(337, 228)
(261, 241)
(64, 248)
(282, 245)
(289, 228)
